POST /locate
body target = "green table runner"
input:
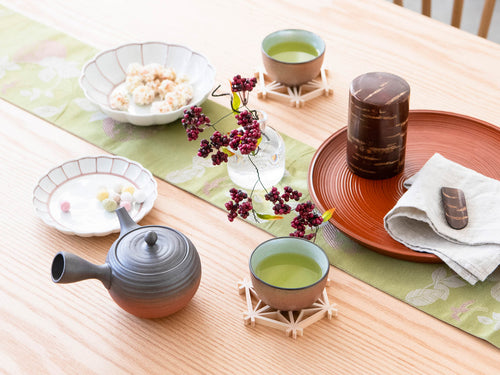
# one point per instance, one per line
(39, 70)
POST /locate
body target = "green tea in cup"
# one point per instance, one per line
(293, 56)
(293, 52)
(289, 273)
(288, 270)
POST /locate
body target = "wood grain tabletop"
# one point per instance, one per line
(52, 329)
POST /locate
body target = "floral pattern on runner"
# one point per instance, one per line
(195, 170)
(50, 57)
(438, 289)
(494, 321)
(7, 65)
(86, 105)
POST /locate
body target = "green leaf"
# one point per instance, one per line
(235, 102)
(269, 217)
(258, 141)
(327, 215)
(227, 151)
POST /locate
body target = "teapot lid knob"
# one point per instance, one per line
(151, 237)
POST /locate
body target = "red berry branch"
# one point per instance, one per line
(243, 86)
(246, 139)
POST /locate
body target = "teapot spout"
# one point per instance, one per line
(70, 268)
(126, 222)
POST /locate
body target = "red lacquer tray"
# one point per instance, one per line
(361, 204)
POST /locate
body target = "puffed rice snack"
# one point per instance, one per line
(119, 99)
(143, 95)
(152, 84)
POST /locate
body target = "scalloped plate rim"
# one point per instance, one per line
(139, 215)
(142, 119)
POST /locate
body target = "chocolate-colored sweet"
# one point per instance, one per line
(378, 119)
(455, 208)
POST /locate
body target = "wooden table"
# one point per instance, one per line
(51, 329)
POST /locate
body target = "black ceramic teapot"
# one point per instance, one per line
(150, 271)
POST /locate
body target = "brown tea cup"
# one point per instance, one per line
(293, 56)
(289, 273)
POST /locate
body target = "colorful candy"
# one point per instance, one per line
(65, 206)
(120, 195)
(126, 205)
(126, 196)
(140, 196)
(102, 194)
(117, 188)
(115, 196)
(109, 204)
(128, 189)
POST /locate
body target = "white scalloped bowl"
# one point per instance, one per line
(108, 69)
(77, 181)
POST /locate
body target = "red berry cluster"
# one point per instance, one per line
(306, 218)
(280, 207)
(194, 121)
(242, 84)
(245, 140)
(217, 141)
(240, 204)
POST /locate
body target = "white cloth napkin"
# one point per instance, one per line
(418, 221)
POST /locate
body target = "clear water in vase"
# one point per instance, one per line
(269, 159)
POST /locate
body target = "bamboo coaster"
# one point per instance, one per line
(295, 96)
(292, 323)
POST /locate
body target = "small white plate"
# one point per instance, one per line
(77, 181)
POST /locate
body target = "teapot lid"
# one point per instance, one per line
(150, 250)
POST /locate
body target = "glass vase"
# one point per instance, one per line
(268, 158)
